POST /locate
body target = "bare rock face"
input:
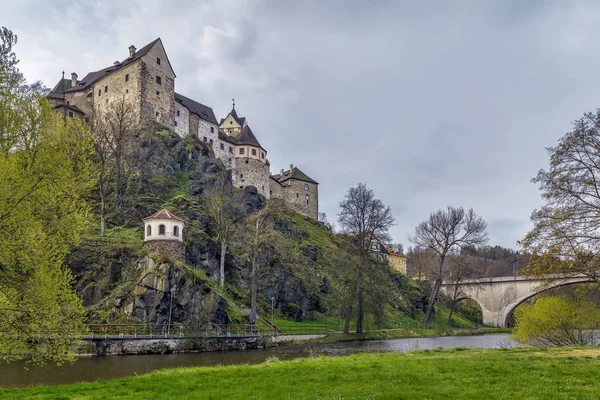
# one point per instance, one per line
(194, 303)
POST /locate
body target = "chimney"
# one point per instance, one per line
(131, 50)
(73, 79)
(282, 171)
(291, 167)
(116, 63)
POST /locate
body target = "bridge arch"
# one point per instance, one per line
(510, 309)
(498, 297)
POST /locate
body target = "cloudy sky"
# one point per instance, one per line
(435, 104)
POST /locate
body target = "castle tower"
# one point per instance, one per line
(163, 234)
(251, 163)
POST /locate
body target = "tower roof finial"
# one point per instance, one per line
(233, 100)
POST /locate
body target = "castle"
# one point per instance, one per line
(146, 80)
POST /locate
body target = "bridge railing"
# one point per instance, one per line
(205, 330)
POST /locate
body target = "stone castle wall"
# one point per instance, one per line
(182, 121)
(251, 172)
(174, 249)
(301, 200)
(123, 84)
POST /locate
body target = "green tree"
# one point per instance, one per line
(46, 175)
(557, 321)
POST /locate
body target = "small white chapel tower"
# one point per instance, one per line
(163, 233)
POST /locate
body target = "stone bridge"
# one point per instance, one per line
(498, 297)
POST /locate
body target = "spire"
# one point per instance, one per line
(233, 100)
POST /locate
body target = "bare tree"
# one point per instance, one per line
(420, 262)
(446, 232)
(461, 267)
(259, 236)
(115, 128)
(226, 211)
(367, 220)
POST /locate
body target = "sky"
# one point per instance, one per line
(429, 103)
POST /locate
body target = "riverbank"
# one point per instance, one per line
(559, 373)
(388, 334)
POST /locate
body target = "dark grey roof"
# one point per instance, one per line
(58, 90)
(204, 112)
(70, 107)
(246, 136)
(293, 173)
(92, 77)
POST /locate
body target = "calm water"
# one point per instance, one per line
(94, 368)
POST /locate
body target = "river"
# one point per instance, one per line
(88, 369)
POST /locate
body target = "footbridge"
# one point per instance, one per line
(498, 297)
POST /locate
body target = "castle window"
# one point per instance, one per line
(222, 146)
(127, 78)
(230, 161)
(158, 60)
(105, 89)
(241, 187)
(230, 149)
(161, 229)
(157, 93)
(106, 101)
(230, 122)
(211, 141)
(126, 90)
(270, 193)
(241, 150)
(68, 102)
(176, 231)
(307, 199)
(178, 113)
(297, 195)
(306, 186)
(158, 80)
(71, 114)
(262, 155)
(99, 92)
(212, 129)
(246, 161)
(149, 230)
(253, 152)
(175, 123)
(241, 176)
(205, 138)
(157, 113)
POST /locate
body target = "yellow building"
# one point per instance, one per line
(397, 261)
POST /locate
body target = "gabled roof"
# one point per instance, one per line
(202, 111)
(92, 77)
(395, 253)
(58, 90)
(293, 173)
(240, 120)
(163, 214)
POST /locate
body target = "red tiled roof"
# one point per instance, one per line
(163, 214)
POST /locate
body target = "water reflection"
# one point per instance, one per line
(93, 368)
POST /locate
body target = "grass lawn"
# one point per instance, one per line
(439, 374)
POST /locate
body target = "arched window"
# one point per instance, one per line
(176, 231)
(161, 229)
(149, 230)
(307, 199)
(306, 186)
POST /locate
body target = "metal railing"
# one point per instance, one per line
(149, 331)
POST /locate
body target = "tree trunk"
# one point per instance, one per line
(348, 316)
(436, 290)
(360, 311)
(222, 266)
(452, 305)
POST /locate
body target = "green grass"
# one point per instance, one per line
(558, 373)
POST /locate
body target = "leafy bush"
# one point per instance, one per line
(557, 321)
